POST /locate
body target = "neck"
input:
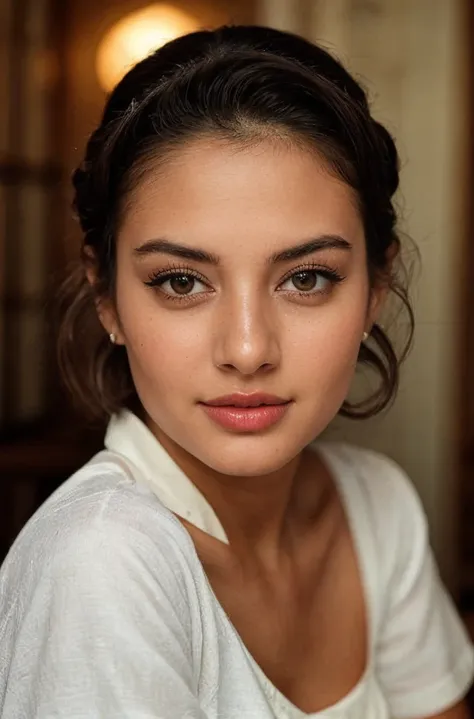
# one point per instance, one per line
(254, 511)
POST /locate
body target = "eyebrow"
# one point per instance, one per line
(325, 242)
(162, 246)
(172, 248)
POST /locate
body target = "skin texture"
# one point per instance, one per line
(244, 335)
(245, 327)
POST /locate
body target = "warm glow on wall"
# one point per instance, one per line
(136, 36)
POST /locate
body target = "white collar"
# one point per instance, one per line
(130, 438)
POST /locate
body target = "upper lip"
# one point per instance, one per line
(246, 400)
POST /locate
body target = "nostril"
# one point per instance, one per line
(228, 366)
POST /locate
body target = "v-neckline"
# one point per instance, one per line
(179, 495)
(336, 466)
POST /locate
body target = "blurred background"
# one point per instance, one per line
(58, 59)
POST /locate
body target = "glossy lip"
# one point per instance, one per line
(239, 399)
(246, 412)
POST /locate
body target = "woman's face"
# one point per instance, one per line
(241, 272)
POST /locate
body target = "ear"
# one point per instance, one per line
(105, 307)
(378, 295)
(381, 287)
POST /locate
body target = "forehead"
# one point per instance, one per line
(220, 195)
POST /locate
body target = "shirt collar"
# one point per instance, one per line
(130, 438)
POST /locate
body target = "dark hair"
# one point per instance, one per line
(241, 83)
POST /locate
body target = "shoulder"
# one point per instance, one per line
(100, 522)
(102, 497)
(100, 601)
(376, 480)
(384, 509)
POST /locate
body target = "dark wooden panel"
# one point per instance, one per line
(466, 349)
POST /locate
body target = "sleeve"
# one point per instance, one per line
(424, 656)
(106, 633)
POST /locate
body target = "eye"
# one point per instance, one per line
(181, 285)
(310, 281)
(178, 284)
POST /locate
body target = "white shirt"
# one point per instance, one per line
(106, 612)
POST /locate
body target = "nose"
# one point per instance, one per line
(247, 339)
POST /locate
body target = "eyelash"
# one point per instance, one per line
(330, 274)
(157, 279)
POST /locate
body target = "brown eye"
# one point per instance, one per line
(311, 282)
(178, 285)
(305, 281)
(182, 284)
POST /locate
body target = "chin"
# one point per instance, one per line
(249, 456)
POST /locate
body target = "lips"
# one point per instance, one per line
(256, 399)
(246, 412)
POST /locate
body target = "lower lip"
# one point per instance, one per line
(246, 419)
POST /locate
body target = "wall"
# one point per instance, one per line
(410, 57)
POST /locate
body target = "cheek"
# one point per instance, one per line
(328, 340)
(163, 347)
(322, 357)
(162, 352)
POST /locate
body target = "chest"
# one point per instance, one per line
(307, 632)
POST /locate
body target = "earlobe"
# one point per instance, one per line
(103, 305)
(109, 321)
(108, 318)
(378, 295)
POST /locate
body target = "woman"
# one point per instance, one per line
(239, 243)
